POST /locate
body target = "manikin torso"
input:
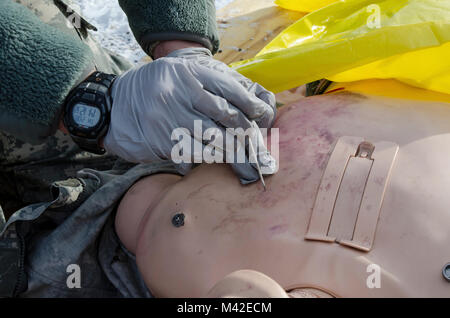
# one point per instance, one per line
(229, 227)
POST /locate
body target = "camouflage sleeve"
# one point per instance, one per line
(161, 20)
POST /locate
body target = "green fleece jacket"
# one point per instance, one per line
(40, 63)
(157, 20)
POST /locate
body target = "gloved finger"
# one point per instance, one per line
(215, 145)
(268, 118)
(225, 86)
(263, 94)
(213, 140)
(259, 91)
(245, 151)
(267, 163)
(255, 88)
(246, 172)
(220, 110)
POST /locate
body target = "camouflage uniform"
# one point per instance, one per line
(75, 223)
(75, 227)
(27, 171)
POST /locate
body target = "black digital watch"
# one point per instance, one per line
(87, 111)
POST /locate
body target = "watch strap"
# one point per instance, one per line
(90, 145)
(97, 82)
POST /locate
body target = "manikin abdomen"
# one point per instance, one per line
(404, 230)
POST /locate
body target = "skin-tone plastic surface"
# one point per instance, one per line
(247, 284)
(351, 192)
(229, 227)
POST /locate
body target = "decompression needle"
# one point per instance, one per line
(252, 150)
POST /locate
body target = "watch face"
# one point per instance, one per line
(85, 115)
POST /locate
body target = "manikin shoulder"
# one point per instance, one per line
(137, 202)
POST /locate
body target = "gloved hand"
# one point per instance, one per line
(150, 102)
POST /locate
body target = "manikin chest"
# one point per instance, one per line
(396, 247)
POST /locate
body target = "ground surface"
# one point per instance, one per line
(112, 24)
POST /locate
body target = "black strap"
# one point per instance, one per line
(101, 78)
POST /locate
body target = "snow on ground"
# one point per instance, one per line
(112, 24)
(222, 3)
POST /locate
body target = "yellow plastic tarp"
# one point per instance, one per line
(304, 5)
(351, 40)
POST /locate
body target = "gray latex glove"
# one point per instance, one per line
(188, 84)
